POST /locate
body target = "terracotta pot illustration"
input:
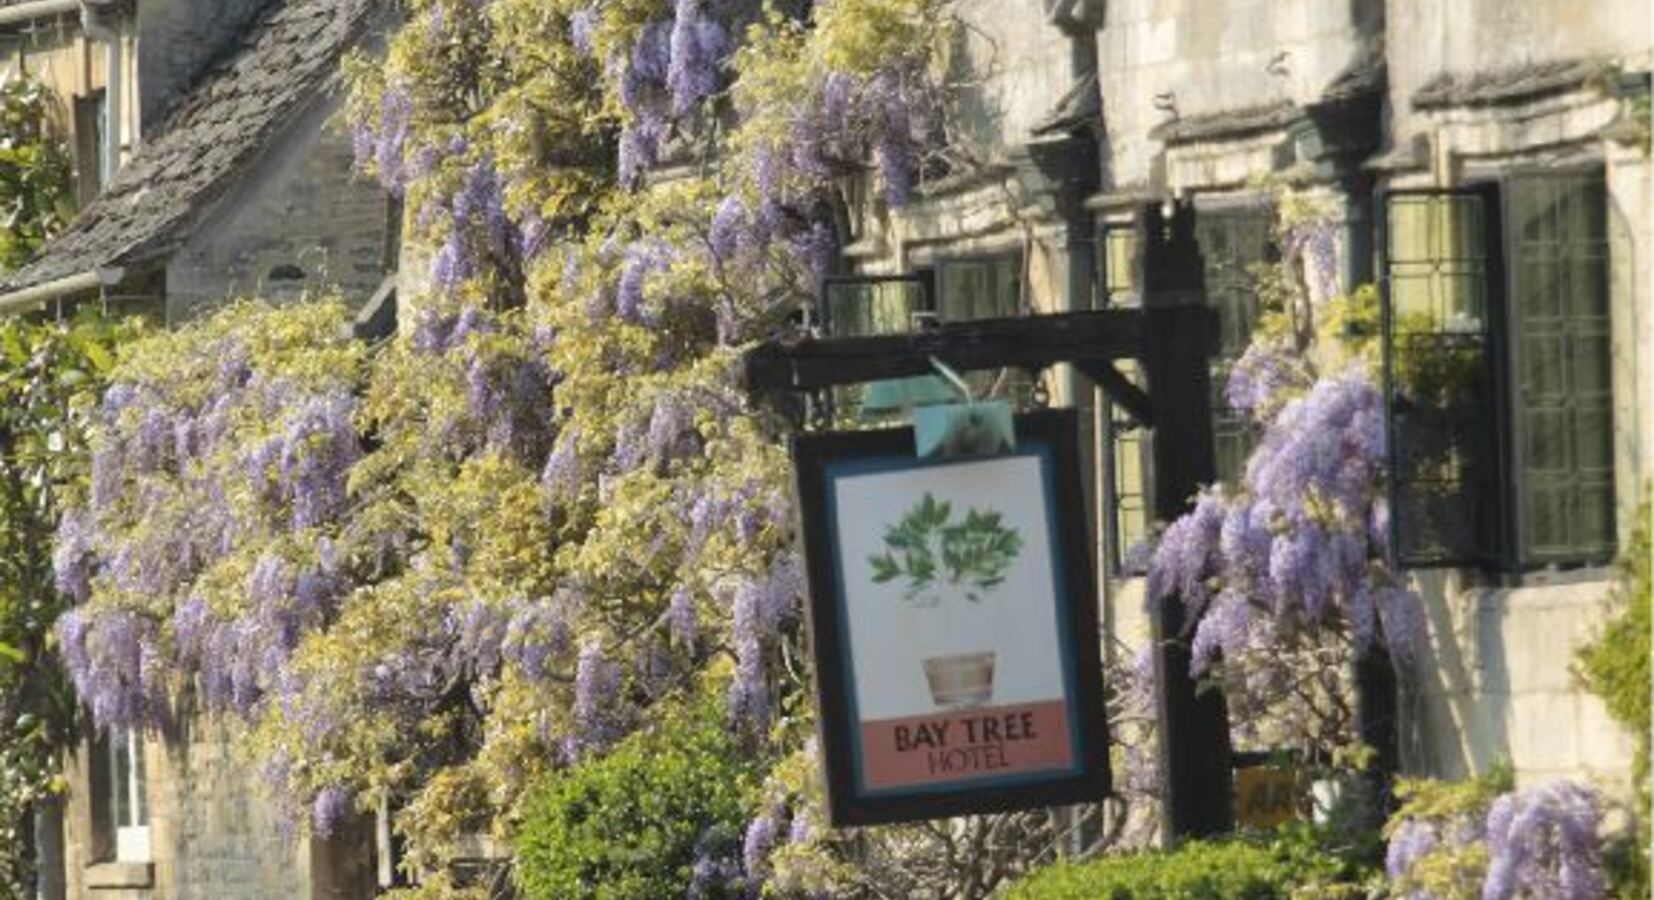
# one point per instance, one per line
(961, 680)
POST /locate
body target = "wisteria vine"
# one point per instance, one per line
(424, 574)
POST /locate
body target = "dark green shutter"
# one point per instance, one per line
(1560, 353)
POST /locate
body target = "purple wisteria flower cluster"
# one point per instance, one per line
(183, 479)
(380, 139)
(480, 234)
(673, 67)
(761, 606)
(1302, 545)
(891, 116)
(111, 659)
(1538, 843)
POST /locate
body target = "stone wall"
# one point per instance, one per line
(1497, 685)
(300, 221)
(1483, 36)
(1018, 67)
(1160, 61)
(213, 836)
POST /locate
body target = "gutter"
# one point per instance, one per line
(37, 9)
(20, 299)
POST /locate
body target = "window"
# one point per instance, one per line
(1125, 441)
(1562, 379)
(855, 307)
(984, 287)
(1234, 242)
(862, 306)
(1498, 375)
(90, 114)
(987, 287)
(125, 806)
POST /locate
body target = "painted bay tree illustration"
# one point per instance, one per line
(940, 557)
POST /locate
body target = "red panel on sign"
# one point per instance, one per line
(965, 744)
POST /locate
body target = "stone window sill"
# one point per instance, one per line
(120, 875)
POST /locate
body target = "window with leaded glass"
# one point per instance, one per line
(864, 306)
(1559, 349)
(1125, 440)
(1234, 243)
(984, 287)
(1439, 254)
(1498, 372)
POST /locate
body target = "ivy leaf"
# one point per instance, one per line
(98, 356)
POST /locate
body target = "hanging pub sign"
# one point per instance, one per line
(953, 620)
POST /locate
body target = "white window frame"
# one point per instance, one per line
(128, 796)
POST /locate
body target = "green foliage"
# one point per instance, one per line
(50, 375)
(34, 172)
(975, 552)
(1292, 863)
(1451, 870)
(1615, 667)
(1423, 798)
(630, 825)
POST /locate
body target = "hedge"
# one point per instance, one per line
(1291, 864)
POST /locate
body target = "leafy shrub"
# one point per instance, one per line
(1616, 665)
(635, 823)
(34, 172)
(1616, 668)
(1292, 863)
(50, 376)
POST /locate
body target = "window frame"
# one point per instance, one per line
(924, 279)
(1013, 385)
(1112, 422)
(938, 270)
(1501, 549)
(1519, 518)
(90, 114)
(128, 842)
(1227, 424)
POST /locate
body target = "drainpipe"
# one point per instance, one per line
(98, 20)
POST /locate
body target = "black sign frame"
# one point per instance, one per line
(1089, 778)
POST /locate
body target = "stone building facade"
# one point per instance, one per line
(1491, 159)
(1488, 156)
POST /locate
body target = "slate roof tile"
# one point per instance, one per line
(222, 125)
